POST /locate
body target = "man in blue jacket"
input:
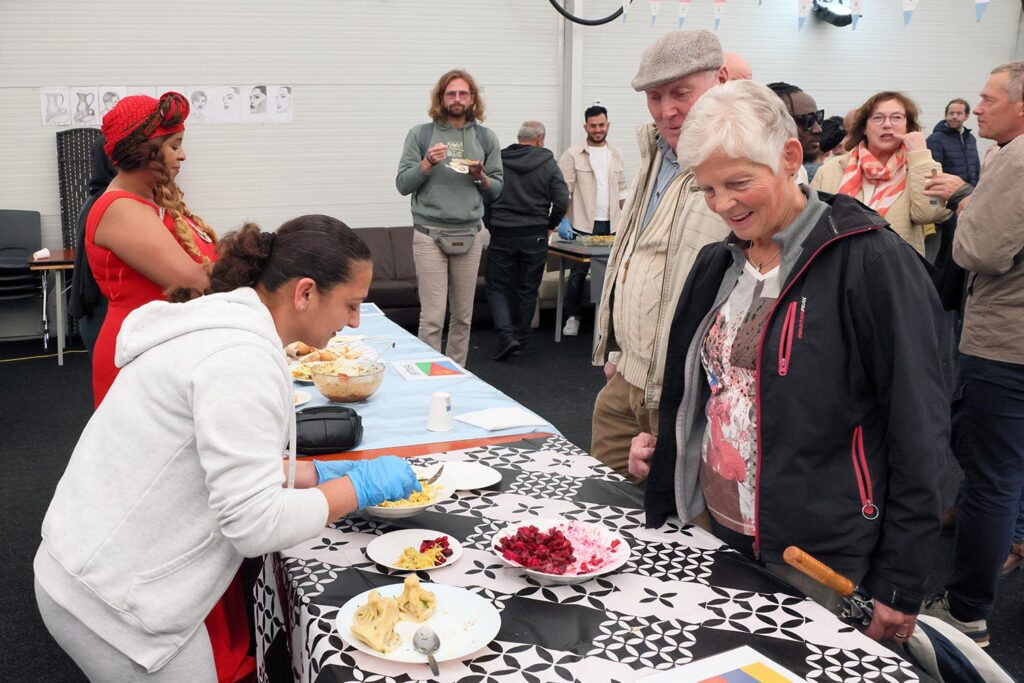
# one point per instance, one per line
(952, 144)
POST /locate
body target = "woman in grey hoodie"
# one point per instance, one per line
(178, 475)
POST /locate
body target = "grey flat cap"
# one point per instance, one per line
(678, 54)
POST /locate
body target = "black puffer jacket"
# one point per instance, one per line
(852, 412)
(957, 153)
(534, 197)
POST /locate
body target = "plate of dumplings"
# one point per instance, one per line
(382, 621)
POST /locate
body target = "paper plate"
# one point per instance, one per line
(464, 621)
(586, 539)
(302, 397)
(385, 550)
(466, 476)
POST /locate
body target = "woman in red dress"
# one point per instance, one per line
(139, 237)
(142, 241)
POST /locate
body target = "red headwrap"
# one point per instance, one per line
(138, 118)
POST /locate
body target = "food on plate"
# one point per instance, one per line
(432, 553)
(597, 240)
(302, 371)
(296, 349)
(374, 622)
(571, 550)
(549, 552)
(428, 494)
(416, 603)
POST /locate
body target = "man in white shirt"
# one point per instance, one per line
(593, 171)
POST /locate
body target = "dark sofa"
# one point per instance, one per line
(394, 276)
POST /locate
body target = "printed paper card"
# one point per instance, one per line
(742, 665)
(429, 368)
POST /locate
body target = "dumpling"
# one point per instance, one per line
(415, 603)
(374, 623)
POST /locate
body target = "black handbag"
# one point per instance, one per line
(327, 429)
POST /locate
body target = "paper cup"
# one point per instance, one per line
(439, 419)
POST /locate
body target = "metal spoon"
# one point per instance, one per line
(434, 477)
(427, 642)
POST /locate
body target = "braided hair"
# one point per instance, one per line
(170, 197)
(785, 91)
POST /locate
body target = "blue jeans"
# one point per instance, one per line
(578, 276)
(988, 440)
(515, 266)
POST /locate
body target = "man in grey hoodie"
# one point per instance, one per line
(533, 202)
(451, 167)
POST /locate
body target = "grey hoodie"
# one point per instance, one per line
(177, 476)
(445, 198)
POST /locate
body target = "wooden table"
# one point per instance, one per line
(571, 251)
(58, 261)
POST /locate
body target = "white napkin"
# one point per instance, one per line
(493, 419)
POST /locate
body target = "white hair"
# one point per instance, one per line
(740, 119)
(1015, 80)
(531, 130)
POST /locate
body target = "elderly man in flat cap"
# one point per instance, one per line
(662, 227)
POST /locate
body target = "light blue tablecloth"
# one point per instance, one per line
(396, 414)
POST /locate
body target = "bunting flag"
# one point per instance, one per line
(803, 11)
(719, 10)
(625, 9)
(979, 9)
(908, 10)
(855, 6)
(684, 7)
(655, 6)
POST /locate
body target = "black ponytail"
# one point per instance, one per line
(314, 246)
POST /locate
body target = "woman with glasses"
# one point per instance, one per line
(887, 166)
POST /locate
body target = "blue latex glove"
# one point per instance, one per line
(565, 229)
(332, 469)
(385, 478)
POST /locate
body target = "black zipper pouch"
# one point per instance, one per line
(327, 429)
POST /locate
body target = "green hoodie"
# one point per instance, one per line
(445, 198)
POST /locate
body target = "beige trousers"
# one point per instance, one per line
(618, 417)
(446, 281)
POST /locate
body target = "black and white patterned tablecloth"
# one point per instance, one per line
(681, 596)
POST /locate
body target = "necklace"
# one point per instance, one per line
(199, 231)
(764, 262)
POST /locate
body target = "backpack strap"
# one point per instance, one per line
(423, 133)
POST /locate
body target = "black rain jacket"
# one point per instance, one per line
(852, 411)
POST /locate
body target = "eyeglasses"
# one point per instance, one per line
(810, 120)
(894, 119)
(457, 94)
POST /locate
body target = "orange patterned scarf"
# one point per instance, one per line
(889, 179)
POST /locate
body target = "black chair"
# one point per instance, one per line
(74, 166)
(21, 236)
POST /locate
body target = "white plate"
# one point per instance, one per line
(463, 621)
(292, 366)
(574, 531)
(466, 476)
(444, 493)
(302, 397)
(387, 549)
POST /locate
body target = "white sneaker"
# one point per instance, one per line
(572, 327)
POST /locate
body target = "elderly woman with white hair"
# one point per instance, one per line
(803, 403)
